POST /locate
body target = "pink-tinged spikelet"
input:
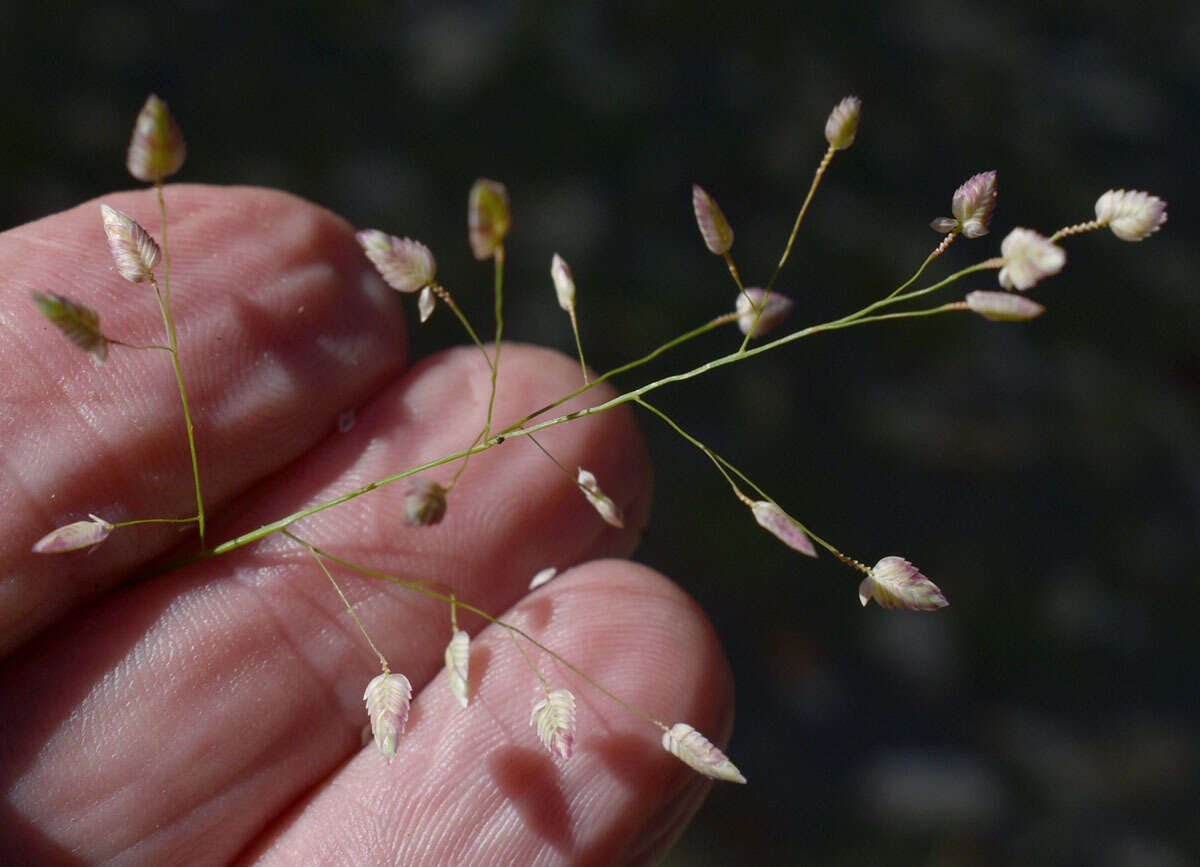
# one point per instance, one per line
(776, 522)
(554, 719)
(714, 228)
(488, 217)
(973, 205)
(1132, 215)
(842, 126)
(1028, 257)
(1003, 306)
(80, 323)
(157, 149)
(458, 665)
(73, 537)
(426, 302)
(388, 697)
(564, 282)
(425, 504)
(542, 577)
(133, 250)
(750, 302)
(601, 502)
(405, 265)
(698, 753)
(893, 582)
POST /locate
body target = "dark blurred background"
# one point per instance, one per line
(1047, 475)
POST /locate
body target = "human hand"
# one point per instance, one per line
(213, 713)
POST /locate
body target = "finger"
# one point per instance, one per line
(249, 667)
(475, 786)
(282, 326)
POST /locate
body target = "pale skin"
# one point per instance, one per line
(213, 713)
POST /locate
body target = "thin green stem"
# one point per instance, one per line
(444, 293)
(787, 250)
(554, 460)
(162, 210)
(578, 343)
(462, 468)
(529, 662)
(191, 433)
(896, 299)
(948, 307)
(499, 293)
(733, 271)
(115, 342)
(357, 622)
(697, 443)
(937, 251)
(136, 521)
(494, 364)
(164, 305)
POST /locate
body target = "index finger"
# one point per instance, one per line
(282, 324)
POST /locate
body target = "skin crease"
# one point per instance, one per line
(213, 713)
